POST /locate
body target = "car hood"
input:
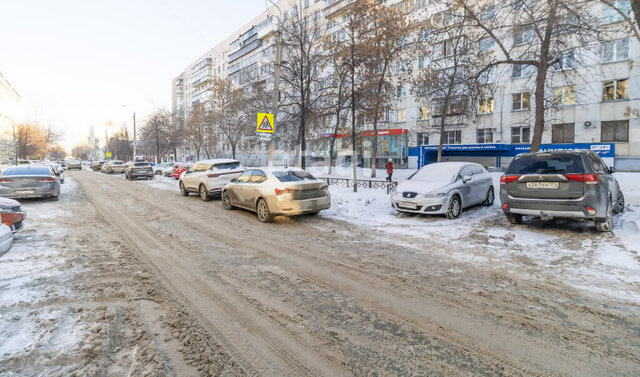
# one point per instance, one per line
(423, 187)
(8, 203)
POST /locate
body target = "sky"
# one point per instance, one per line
(75, 63)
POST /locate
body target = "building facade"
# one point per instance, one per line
(9, 99)
(599, 108)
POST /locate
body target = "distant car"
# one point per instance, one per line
(138, 170)
(114, 167)
(208, 177)
(74, 164)
(6, 239)
(97, 165)
(180, 168)
(63, 163)
(160, 168)
(566, 184)
(277, 191)
(59, 170)
(168, 170)
(30, 181)
(11, 214)
(25, 162)
(444, 188)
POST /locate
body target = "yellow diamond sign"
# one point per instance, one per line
(265, 123)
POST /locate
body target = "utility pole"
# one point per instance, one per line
(106, 143)
(134, 136)
(354, 153)
(276, 93)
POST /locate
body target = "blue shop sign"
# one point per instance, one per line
(468, 147)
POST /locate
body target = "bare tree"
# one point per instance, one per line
(621, 10)
(81, 151)
(225, 108)
(120, 146)
(196, 128)
(152, 134)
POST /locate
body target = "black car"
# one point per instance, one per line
(139, 170)
(566, 184)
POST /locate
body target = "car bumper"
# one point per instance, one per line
(290, 207)
(141, 175)
(6, 242)
(432, 206)
(28, 192)
(586, 207)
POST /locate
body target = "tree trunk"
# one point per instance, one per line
(374, 145)
(442, 122)
(635, 6)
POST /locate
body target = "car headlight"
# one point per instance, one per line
(433, 195)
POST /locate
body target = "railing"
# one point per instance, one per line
(364, 183)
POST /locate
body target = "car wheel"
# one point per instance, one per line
(204, 195)
(226, 200)
(514, 219)
(183, 190)
(619, 207)
(606, 224)
(488, 200)
(455, 207)
(262, 210)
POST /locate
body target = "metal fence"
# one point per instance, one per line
(364, 183)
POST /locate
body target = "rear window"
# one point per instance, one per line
(34, 170)
(138, 164)
(227, 166)
(546, 165)
(293, 176)
(117, 163)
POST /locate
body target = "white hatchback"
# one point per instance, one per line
(208, 177)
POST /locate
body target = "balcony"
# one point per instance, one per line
(244, 50)
(204, 63)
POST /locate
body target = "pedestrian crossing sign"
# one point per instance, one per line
(265, 123)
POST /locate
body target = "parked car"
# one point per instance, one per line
(74, 164)
(444, 188)
(30, 181)
(6, 239)
(63, 163)
(573, 184)
(208, 177)
(277, 191)
(59, 170)
(168, 170)
(97, 165)
(138, 170)
(180, 168)
(160, 168)
(11, 214)
(114, 167)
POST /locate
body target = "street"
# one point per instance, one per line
(147, 282)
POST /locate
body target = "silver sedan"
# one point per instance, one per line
(30, 181)
(276, 191)
(444, 188)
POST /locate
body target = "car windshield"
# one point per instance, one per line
(293, 176)
(227, 165)
(546, 164)
(139, 164)
(436, 173)
(33, 170)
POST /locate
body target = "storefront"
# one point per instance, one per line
(499, 155)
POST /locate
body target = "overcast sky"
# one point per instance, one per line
(75, 62)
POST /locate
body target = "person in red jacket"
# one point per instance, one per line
(389, 169)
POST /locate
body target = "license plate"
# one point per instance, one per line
(543, 185)
(408, 205)
(25, 192)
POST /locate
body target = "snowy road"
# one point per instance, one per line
(124, 278)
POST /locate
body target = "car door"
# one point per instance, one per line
(237, 190)
(187, 178)
(466, 188)
(200, 175)
(254, 186)
(599, 167)
(481, 182)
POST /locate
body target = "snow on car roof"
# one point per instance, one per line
(217, 161)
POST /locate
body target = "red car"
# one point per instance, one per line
(178, 168)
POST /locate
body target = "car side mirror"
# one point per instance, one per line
(612, 170)
(233, 180)
(466, 178)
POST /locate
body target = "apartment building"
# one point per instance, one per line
(598, 110)
(9, 98)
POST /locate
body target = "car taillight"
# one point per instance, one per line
(4, 180)
(589, 179)
(508, 178)
(505, 206)
(45, 180)
(284, 191)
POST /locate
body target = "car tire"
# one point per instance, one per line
(619, 207)
(183, 190)
(455, 207)
(514, 218)
(262, 210)
(606, 224)
(490, 198)
(226, 200)
(204, 195)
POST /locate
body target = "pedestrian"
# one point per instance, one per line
(389, 169)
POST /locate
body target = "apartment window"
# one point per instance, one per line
(567, 61)
(611, 15)
(484, 135)
(488, 13)
(521, 101)
(306, 4)
(486, 45)
(423, 113)
(521, 4)
(403, 67)
(522, 35)
(520, 135)
(402, 115)
(453, 137)
(615, 89)
(487, 77)
(616, 131)
(562, 133)
(522, 70)
(401, 91)
(424, 61)
(295, 10)
(425, 34)
(423, 138)
(485, 106)
(564, 95)
(615, 50)
(568, 23)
